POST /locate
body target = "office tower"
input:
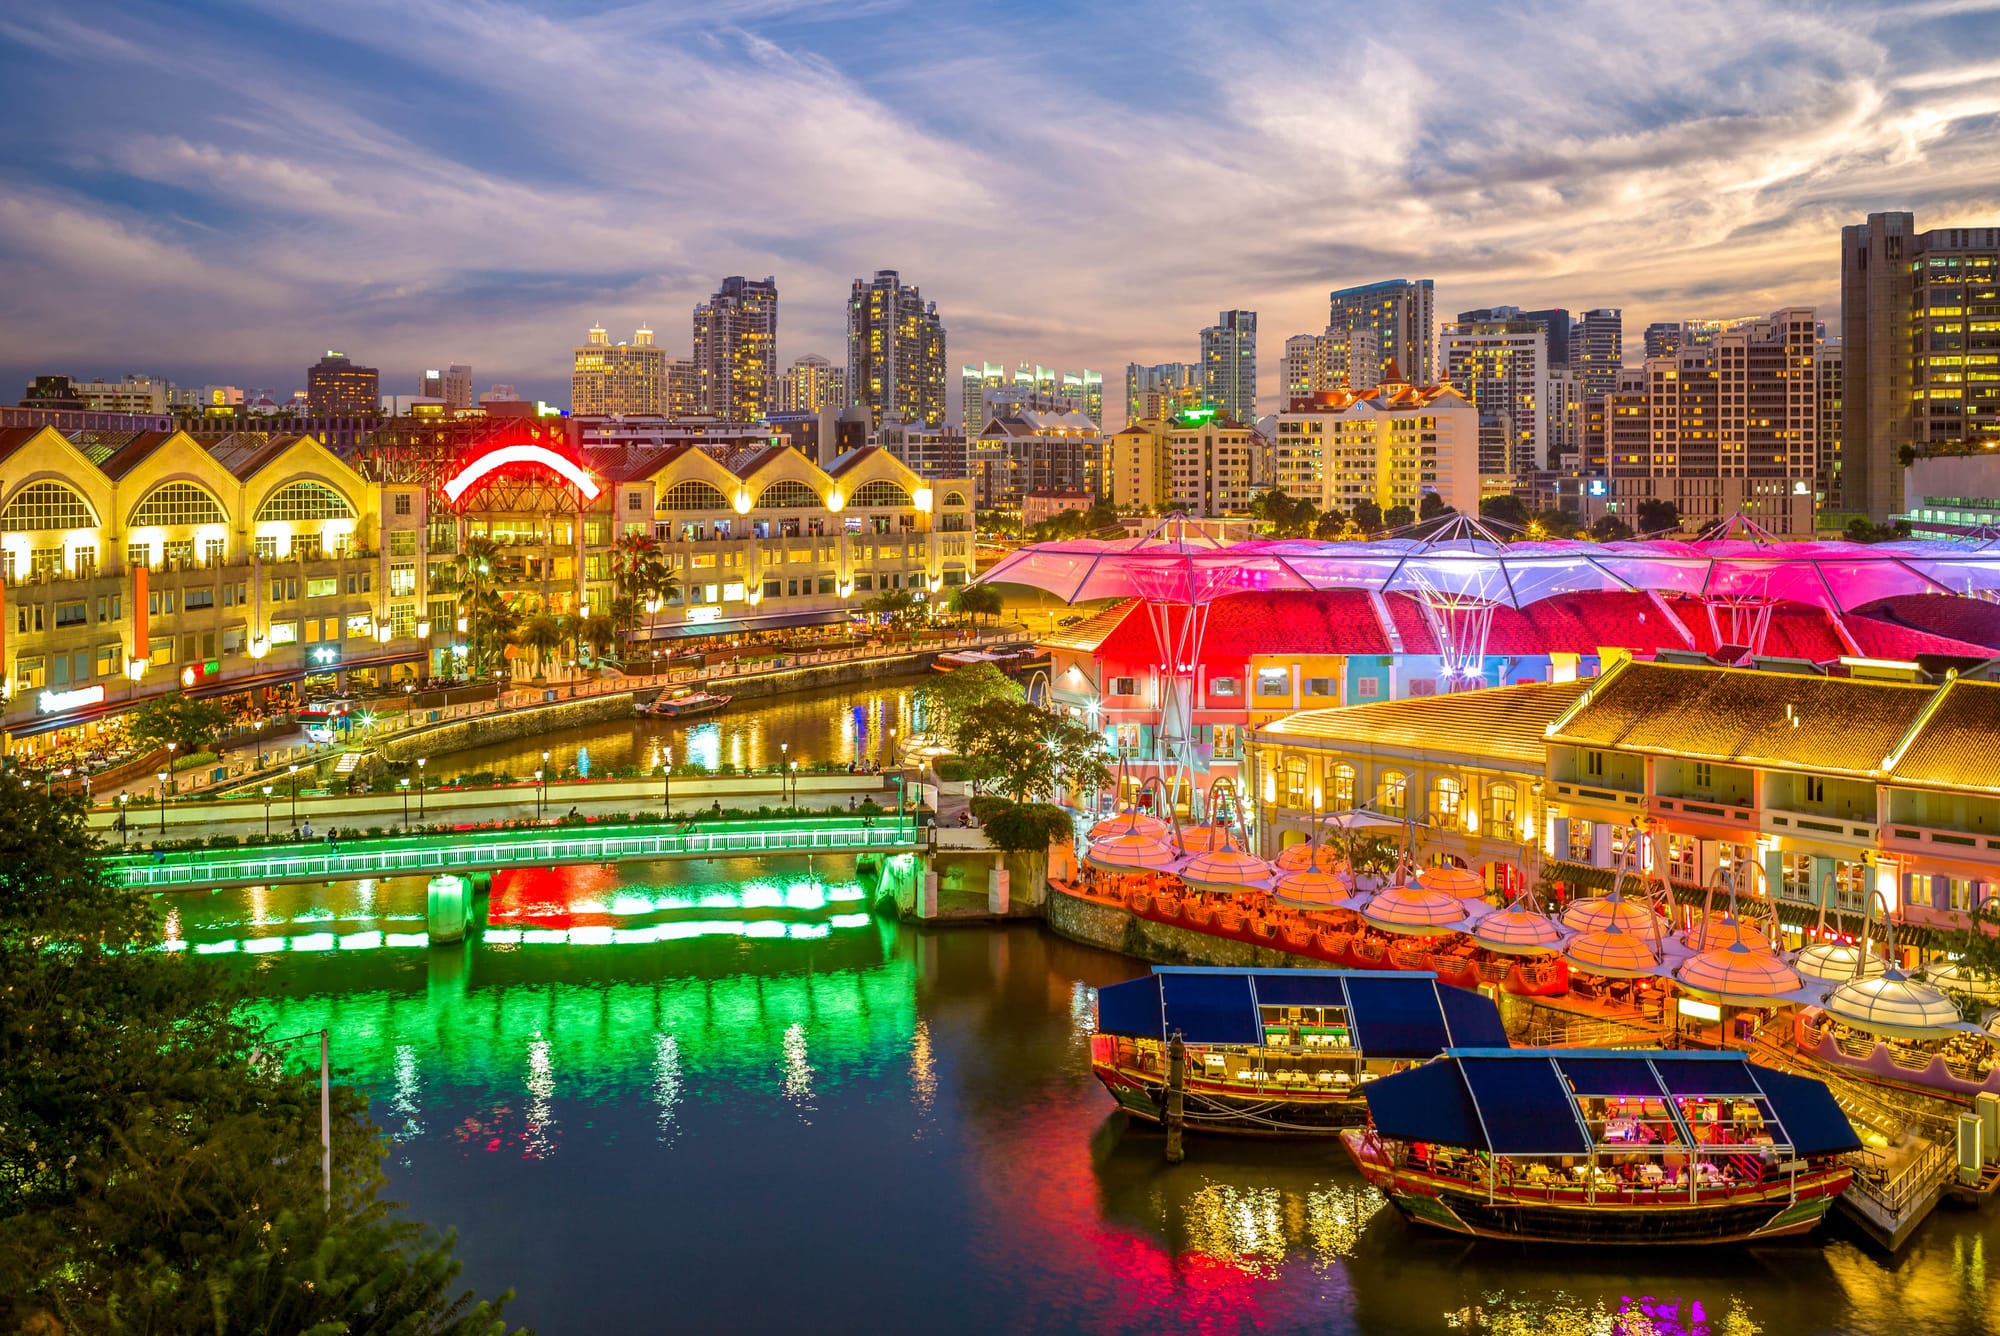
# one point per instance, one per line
(811, 383)
(336, 387)
(1920, 342)
(1597, 349)
(1159, 391)
(1830, 485)
(1400, 313)
(1388, 445)
(1502, 366)
(976, 380)
(1229, 364)
(735, 350)
(895, 351)
(1086, 390)
(624, 380)
(1300, 370)
(1729, 426)
(1555, 322)
(452, 386)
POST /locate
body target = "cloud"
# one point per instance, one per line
(218, 195)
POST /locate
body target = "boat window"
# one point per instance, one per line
(1629, 1124)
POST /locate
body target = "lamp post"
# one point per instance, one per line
(406, 802)
(267, 812)
(170, 766)
(260, 744)
(294, 771)
(420, 786)
(667, 782)
(784, 754)
(540, 790)
(124, 818)
(161, 795)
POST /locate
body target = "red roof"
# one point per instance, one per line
(1962, 620)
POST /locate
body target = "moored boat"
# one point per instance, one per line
(683, 704)
(1281, 1052)
(1609, 1146)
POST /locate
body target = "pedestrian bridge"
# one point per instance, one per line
(488, 850)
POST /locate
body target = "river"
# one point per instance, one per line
(833, 725)
(720, 1096)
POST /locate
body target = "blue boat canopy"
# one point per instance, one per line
(1522, 1101)
(1392, 1013)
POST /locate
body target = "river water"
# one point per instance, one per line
(836, 725)
(722, 1097)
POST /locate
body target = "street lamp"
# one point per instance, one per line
(784, 751)
(161, 794)
(170, 764)
(795, 783)
(541, 790)
(667, 782)
(406, 802)
(294, 771)
(267, 812)
(260, 744)
(124, 818)
(420, 786)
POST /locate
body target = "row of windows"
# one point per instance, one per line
(43, 506)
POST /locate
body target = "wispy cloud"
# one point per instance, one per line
(222, 193)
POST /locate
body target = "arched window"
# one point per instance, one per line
(787, 494)
(176, 503)
(1295, 781)
(305, 500)
(954, 498)
(1501, 811)
(1392, 793)
(879, 494)
(1340, 788)
(41, 506)
(1447, 801)
(693, 496)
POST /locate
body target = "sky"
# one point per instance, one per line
(217, 192)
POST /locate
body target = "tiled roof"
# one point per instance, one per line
(1500, 723)
(1964, 619)
(1954, 748)
(1329, 622)
(1086, 636)
(124, 455)
(1784, 721)
(1887, 640)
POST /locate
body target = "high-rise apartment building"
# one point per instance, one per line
(452, 386)
(1387, 445)
(735, 350)
(1401, 313)
(683, 393)
(1730, 426)
(1340, 359)
(623, 380)
(1920, 340)
(335, 386)
(811, 383)
(1157, 392)
(1502, 365)
(1597, 349)
(1019, 452)
(1085, 389)
(1229, 364)
(1563, 417)
(1215, 464)
(895, 351)
(1830, 485)
(975, 381)
(1136, 464)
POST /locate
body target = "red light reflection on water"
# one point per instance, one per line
(546, 897)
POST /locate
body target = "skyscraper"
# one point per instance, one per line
(1340, 359)
(810, 384)
(735, 350)
(895, 351)
(975, 380)
(1831, 485)
(1597, 350)
(1229, 364)
(1920, 340)
(1401, 313)
(609, 379)
(1086, 389)
(336, 387)
(1503, 367)
(453, 385)
(1161, 390)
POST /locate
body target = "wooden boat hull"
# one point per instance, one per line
(1208, 1107)
(1540, 1215)
(668, 710)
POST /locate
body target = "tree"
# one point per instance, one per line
(542, 636)
(191, 725)
(1859, 530)
(154, 1175)
(1504, 509)
(1657, 515)
(976, 600)
(1609, 529)
(1027, 828)
(1432, 507)
(1286, 516)
(946, 698)
(1398, 517)
(1553, 523)
(1026, 752)
(600, 632)
(1368, 516)
(894, 606)
(1332, 524)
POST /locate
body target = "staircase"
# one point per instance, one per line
(1889, 1204)
(348, 762)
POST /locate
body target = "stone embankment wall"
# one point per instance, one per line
(755, 686)
(1115, 929)
(505, 726)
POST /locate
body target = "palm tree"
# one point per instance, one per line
(472, 577)
(600, 632)
(542, 636)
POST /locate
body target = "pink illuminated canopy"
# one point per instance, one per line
(487, 464)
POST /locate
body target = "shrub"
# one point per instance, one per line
(1027, 827)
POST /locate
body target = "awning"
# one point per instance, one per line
(1394, 1014)
(732, 626)
(1523, 1101)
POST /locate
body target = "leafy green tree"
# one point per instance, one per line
(975, 601)
(1027, 827)
(1504, 509)
(894, 606)
(1432, 507)
(945, 699)
(1554, 523)
(1332, 524)
(1285, 515)
(1368, 516)
(542, 636)
(1399, 517)
(1609, 529)
(1657, 515)
(155, 1176)
(1026, 752)
(191, 725)
(600, 632)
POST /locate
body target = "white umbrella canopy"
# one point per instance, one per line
(1895, 1006)
(1737, 975)
(1311, 889)
(1957, 978)
(1227, 871)
(1516, 931)
(1412, 911)
(1612, 952)
(1835, 962)
(1129, 823)
(1131, 853)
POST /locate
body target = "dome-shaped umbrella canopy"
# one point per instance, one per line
(1311, 889)
(1205, 839)
(1412, 911)
(1518, 932)
(1737, 974)
(1299, 857)
(1462, 882)
(1956, 978)
(1600, 912)
(1226, 870)
(1726, 930)
(1613, 953)
(1893, 1005)
(1992, 1022)
(1129, 823)
(1131, 853)
(1835, 961)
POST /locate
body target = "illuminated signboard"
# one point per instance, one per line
(520, 454)
(55, 702)
(1701, 1011)
(196, 673)
(705, 612)
(323, 656)
(1598, 487)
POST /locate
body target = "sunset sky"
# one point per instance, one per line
(220, 191)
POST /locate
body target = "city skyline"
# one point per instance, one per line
(441, 189)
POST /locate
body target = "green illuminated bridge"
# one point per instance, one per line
(487, 850)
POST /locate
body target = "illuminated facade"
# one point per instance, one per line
(812, 383)
(1340, 359)
(1597, 349)
(1229, 365)
(1215, 465)
(335, 386)
(1023, 452)
(1136, 469)
(1160, 391)
(628, 380)
(895, 351)
(736, 351)
(1503, 367)
(1401, 313)
(1388, 445)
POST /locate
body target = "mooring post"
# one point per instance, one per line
(1176, 1088)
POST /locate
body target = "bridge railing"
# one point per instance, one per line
(476, 850)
